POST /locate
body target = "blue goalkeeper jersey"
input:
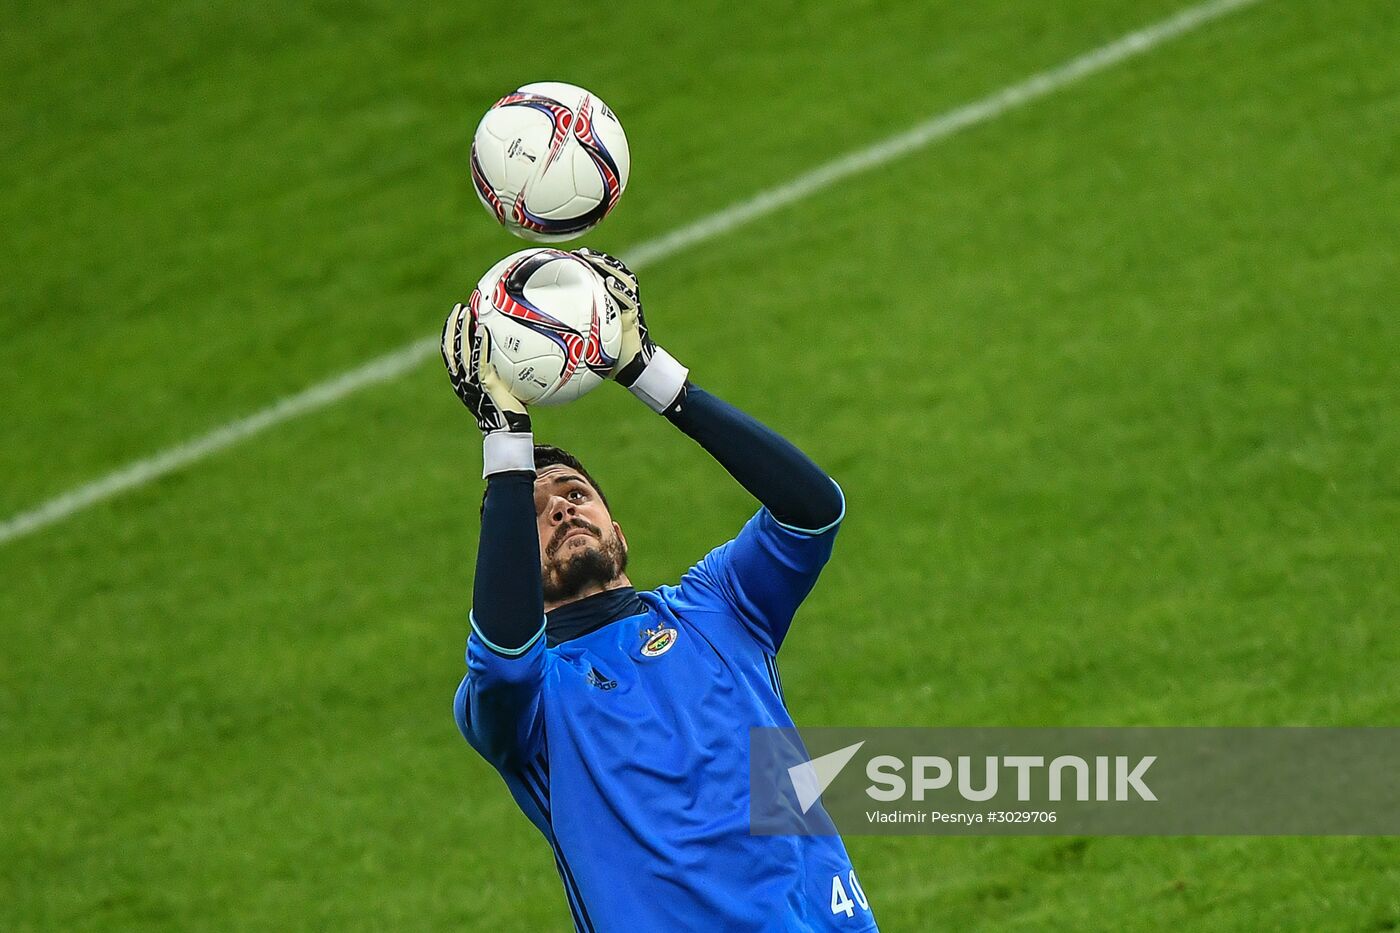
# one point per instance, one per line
(627, 747)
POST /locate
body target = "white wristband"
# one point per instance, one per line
(502, 452)
(660, 383)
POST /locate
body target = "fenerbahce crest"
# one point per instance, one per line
(658, 641)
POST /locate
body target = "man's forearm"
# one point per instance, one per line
(507, 605)
(793, 488)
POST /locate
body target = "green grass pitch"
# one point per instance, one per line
(1112, 383)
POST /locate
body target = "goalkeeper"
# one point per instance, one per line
(619, 719)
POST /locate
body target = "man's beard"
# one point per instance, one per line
(599, 564)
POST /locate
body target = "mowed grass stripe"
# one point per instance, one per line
(399, 361)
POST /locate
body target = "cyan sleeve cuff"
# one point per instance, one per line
(813, 532)
(505, 652)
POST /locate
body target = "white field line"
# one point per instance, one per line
(392, 365)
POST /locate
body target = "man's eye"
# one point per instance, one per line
(576, 494)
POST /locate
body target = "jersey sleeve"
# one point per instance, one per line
(765, 573)
(499, 704)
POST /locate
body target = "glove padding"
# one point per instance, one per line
(648, 371)
(637, 346)
(475, 380)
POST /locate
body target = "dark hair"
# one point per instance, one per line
(549, 455)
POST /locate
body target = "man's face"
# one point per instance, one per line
(580, 545)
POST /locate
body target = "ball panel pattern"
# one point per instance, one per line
(549, 161)
(555, 332)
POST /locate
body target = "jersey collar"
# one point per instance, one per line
(573, 620)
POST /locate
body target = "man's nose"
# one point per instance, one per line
(561, 509)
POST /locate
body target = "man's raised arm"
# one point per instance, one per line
(773, 563)
(497, 704)
(795, 490)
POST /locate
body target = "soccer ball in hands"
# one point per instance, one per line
(549, 161)
(554, 331)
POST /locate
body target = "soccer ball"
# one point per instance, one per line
(555, 331)
(549, 161)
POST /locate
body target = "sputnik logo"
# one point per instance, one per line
(811, 778)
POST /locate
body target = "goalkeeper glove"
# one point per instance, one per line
(648, 372)
(507, 442)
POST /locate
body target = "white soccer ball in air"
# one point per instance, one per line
(555, 331)
(549, 161)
